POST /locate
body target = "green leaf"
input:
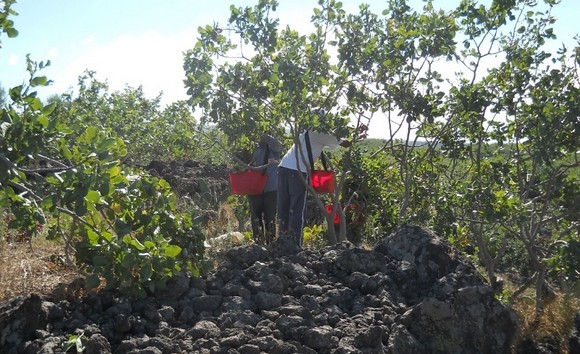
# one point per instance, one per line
(93, 196)
(106, 145)
(47, 203)
(122, 228)
(92, 281)
(81, 209)
(172, 251)
(107, 236)
(43, 120)
(93, 237)
(91, 132)
(146, 273)
(36, 104)
(66, 153)
(161, 284)
(101, 261)
(11, 32)
(39, 81)
(138, 245)
(15, 93)
(48, 109)
(129, 261)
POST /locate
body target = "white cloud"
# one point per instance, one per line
(13, 59)
(148, 59)
(88, 40)
(53, 53)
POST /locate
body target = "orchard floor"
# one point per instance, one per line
(38, 269)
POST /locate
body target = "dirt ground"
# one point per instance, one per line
(38, 269)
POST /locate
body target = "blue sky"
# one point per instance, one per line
(140, 42)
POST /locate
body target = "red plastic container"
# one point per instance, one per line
(323, 181)
(248, 182)
(336, 217)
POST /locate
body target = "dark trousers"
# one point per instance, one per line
(263, 214)
(291, 203)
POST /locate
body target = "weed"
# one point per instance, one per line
(75, 341)
(315, 236)
(554, 323)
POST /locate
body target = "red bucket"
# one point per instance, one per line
(323, 181)
(248, 182)
(336, 217)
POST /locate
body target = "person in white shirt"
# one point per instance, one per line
(291, 189)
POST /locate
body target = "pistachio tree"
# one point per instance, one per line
(62, 175)
(249, 77)
(152, 133)
(506, 119)
(496, 110)
(515, 125)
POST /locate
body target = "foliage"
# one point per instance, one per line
(269, 91)
(314, 236)
(6, 24)
(366, 183)
(490, 174)
(511, 189)
(138, 241)
(60, 165)
(274, 89)
(149, 132)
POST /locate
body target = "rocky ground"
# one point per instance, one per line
(410, 293)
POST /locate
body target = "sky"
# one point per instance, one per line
(141, 42)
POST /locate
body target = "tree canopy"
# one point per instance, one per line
(496, 108)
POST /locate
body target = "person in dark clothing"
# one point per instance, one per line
(263, 206)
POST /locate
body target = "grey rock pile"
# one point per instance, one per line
(411, 293)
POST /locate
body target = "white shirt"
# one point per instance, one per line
(317, 143)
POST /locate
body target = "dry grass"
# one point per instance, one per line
(25, 270)
(225, 221)
(556, 321)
